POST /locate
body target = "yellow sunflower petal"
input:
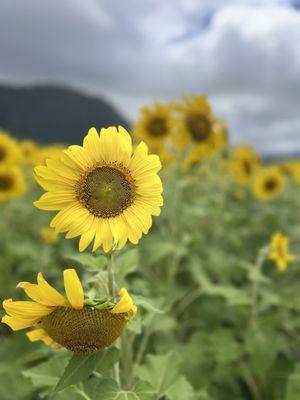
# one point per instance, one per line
(36, 334)
(73, 288)
(26, 309)
(125, 304)
(16, 323)
(54, 297)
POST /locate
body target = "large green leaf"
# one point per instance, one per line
(293, 385)
(88, 261)
(162, 372)
(108, 389)
(81, 366)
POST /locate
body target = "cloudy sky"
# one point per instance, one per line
(245, 54)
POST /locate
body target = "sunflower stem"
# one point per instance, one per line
(111, 292)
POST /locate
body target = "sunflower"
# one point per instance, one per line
(80, 325)
(154, 124)
(45, 152)
(279, 251)
(268, 183)
(9, 150)
(12, 184)
(49, 235)
(245, 164)
(196, 123)
(103, 190)
(29, 151)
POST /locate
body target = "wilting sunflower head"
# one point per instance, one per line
(80, 326)
(12, 184)
(196, 123)
(104, 191)
(154, 124)
(279, 251)
(268, 183)
(9, 150)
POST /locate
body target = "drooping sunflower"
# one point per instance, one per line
(9, 151)
(245, 163)
(268, 183)
(103, 190)
(154, 124)
(12, 183)
(279, 251)
(80, 325)
(196, 122)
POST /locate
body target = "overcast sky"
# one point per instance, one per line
(244, 54)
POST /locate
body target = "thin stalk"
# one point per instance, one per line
(111, 292)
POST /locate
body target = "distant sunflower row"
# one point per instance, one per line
(187, 131)
(15, 157)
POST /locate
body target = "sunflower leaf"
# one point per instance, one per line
(108, 389)
(81, 366)
(88, 261)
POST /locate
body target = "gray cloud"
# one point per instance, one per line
(244, 54)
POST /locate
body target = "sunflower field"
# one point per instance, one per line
(156, 264)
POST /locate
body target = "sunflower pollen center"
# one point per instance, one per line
(2, 154)
(85, 330)
(107, 191)
(199, 126)
(270, 184)
(5, 182)
(157, 127)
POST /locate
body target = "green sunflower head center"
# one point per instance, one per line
(199, 127)
(83, 331)
(2, 154)
(157, 127)
(107, 191)
(6, 183)
(248, 167)
(271, 184)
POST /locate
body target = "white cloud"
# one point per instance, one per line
(244, 54)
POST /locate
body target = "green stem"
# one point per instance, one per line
(111, 292)
(82, 393)
(256, 286)
(110, 275)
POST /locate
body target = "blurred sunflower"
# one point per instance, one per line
(80, 326)
(245, 163)
(29, 151)
(154, 124)
(279, 251)
(268, 183)
(49, 235)
(12, 184)
(52, 152)
(103, 190)
(9, 151)
(195, 123)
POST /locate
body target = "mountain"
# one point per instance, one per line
(51, 114)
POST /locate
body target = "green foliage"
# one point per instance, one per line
(216, 319)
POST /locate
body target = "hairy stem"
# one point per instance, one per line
(111, 292)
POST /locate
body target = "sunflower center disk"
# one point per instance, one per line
(5, 182)
(157, 127)
(2, 154)
(84, 331)
(107, 191)
(199, 126)
(271, 184)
